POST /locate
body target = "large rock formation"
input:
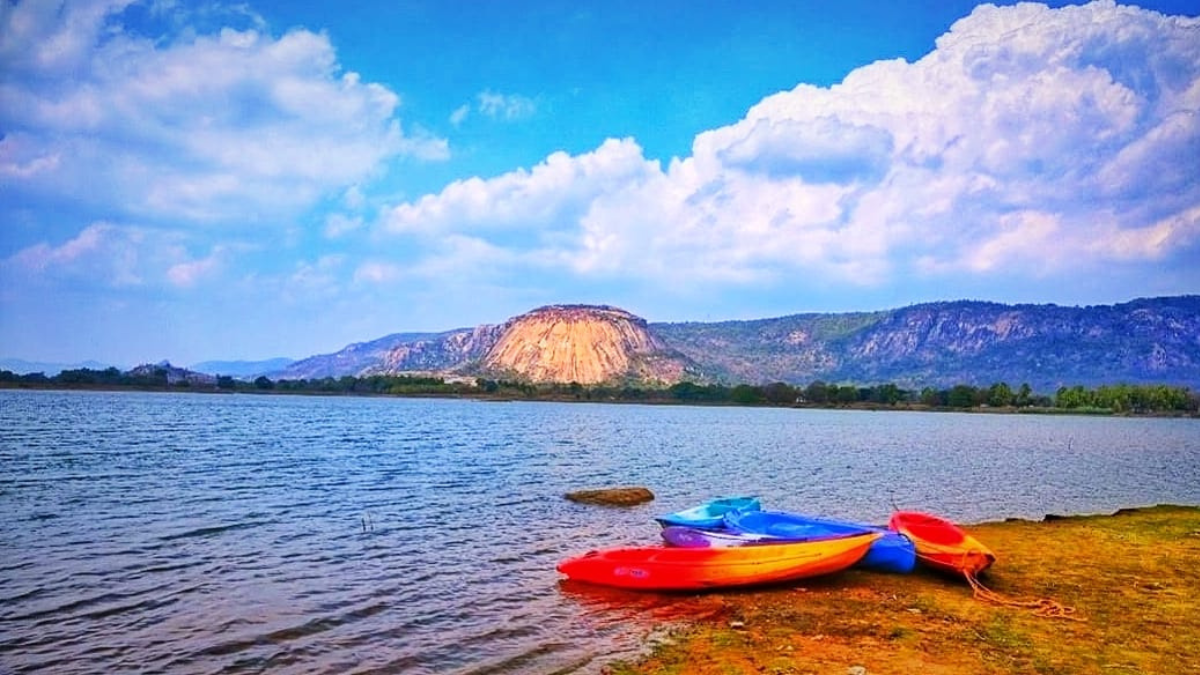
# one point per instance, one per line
(584, 344)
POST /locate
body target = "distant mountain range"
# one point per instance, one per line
(241, 369)
(1146, 341)
(23, 367)
(942, 344)
(236, 369)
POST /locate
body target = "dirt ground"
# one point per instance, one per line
(1131, 579)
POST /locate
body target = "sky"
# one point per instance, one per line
(188, 181)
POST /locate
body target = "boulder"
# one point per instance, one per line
(617, 496)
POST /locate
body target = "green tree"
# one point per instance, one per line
(779, 392)
(1073, 397)
(1000, 395)
(847, 394)
(961, 396)
(817, 392)
(887, 393)
(745, 394)
(932, 397)
(686, 391)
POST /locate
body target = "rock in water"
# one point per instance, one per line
(619, 496)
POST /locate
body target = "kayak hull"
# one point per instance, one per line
(892, 552)
(667, 568)
(941, 544)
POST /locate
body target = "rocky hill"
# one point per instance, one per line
(456, 349)
(584, 344)
(171, 375)
(1154, 340)
(365, 358)
(587, 344)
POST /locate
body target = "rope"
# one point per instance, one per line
(1043, 607)
(972, 562)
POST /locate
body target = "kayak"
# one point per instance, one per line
(892, 552)
(711, 513)
(666, 568)
(941, 544)
(693, 537)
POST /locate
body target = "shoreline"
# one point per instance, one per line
(485, 398)
(1131, 578)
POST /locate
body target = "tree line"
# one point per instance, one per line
(1120, 398)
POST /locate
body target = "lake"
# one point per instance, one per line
(190, 533)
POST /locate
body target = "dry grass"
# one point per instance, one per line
(1131, 578)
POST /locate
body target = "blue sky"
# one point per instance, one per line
(192, 181)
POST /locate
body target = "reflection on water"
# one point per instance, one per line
(198, 533)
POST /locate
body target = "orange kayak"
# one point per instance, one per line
(941, 544)
(669, 568)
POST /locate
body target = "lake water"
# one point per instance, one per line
(177, 533)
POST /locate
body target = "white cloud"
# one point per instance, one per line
(17, 162)
(309, 281)
(552, 196)
(506, 106)
(218, 126)
(188, 274)
(1031, 142)
(502, 107)
(109, 255)
(1152, 241)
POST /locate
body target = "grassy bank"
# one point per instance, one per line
(1132, 578)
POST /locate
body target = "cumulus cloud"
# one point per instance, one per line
(232, 124)
(552, 196)
(1031, 141)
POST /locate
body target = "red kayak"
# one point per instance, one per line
(665, 568)
(941, 544)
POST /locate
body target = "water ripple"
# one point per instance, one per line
(267, 534)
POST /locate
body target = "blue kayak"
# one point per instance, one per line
(893, 552)
(710, 514)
